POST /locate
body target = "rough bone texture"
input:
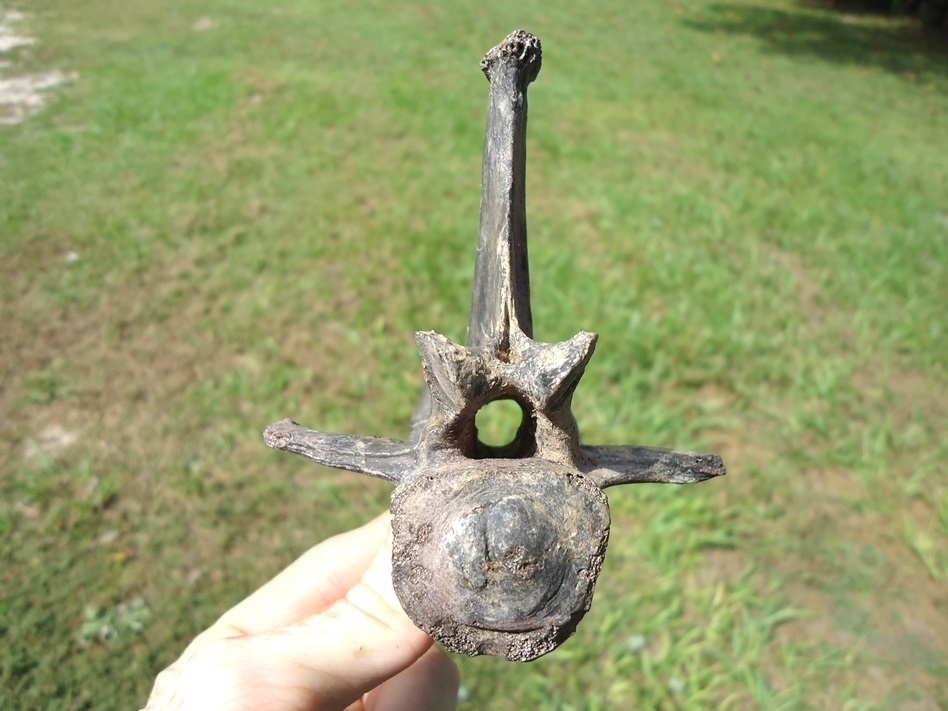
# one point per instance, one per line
(497, 549)
(499, 556)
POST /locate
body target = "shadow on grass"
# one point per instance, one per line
(899, 45)
(931, 13)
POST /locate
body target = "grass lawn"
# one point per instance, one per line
(237, 212)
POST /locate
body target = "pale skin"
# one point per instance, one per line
(326, 634)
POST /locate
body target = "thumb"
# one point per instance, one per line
(324, 662)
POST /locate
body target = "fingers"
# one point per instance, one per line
(430, 684)
(326, 661)
(311, 584)
(327, 633)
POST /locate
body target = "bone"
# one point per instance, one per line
(501, 299)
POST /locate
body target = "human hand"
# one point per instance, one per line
(326, 634)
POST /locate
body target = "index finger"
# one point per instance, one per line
(311, 584)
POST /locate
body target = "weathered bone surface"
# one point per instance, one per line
(497, 549)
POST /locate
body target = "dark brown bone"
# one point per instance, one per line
(497, 549)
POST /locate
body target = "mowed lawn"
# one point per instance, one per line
(237, 212)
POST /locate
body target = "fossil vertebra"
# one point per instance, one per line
(497, 549)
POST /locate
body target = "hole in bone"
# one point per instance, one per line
(498, 421)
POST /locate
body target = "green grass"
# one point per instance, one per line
(746, 200)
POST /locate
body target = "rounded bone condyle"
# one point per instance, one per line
(498, 556)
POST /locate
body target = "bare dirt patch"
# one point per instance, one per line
(837, 556)
(23, 95)
(864, 592)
